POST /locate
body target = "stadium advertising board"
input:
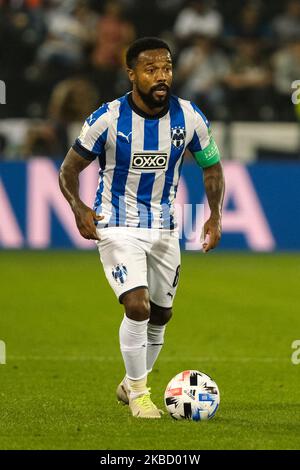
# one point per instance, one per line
(260, 206)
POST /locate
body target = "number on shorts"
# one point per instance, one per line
(176, 278)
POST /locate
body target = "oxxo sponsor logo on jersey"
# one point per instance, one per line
(149, 160)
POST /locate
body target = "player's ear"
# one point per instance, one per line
(131, 74)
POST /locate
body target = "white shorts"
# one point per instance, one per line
(141, 257)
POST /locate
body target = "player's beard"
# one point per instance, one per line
(150, 100)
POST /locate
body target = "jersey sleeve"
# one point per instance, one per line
(202, 146)
(92, 138)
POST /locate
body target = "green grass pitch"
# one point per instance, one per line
(235, 318)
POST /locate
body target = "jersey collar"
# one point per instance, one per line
(141, 113)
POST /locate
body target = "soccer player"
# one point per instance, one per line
(140, 140)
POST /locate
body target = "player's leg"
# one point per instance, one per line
(159, 317)
(125, 266)
(133, 335)
(133, 340)
(163, 276)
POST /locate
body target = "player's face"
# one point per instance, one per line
(152, 77)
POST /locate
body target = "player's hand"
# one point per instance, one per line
(85, 220)
(211, 233)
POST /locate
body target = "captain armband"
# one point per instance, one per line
(209, 156)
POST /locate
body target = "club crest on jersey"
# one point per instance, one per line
(178, 136)
(119, 273)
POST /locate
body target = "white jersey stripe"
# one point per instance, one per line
(110, 150)
(164, 143)
(133, 178)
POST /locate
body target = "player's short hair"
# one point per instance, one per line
(141, 45)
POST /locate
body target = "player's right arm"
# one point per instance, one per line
(85, 217)
(87, 147)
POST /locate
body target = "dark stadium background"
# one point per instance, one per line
(237, 309)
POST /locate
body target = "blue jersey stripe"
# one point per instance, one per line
(195, 145)
(98, 199)
(100, 143)
(176, 120)
(96, 114)
(145, 187)
(179, 173)
(123, 153)
(151, 134)
(102, 163)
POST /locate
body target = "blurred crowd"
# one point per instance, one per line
(60, 59)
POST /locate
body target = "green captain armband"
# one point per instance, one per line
(209, 156)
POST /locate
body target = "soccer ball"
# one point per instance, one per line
(192, 395)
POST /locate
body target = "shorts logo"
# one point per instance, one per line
(149, 160)
(178, 136)
(119, 273)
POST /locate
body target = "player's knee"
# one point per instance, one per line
(160, 315)
(168, 315)
(137, 309)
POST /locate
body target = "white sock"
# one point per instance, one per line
(137, 387)
(155, 341)
(133, 343)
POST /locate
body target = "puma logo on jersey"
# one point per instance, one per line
(149, 160)
(126, 137)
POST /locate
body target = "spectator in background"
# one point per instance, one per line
(198, 18)
(286, 26)
(89, 38)
(167, 12)
(286, 66)
(22, 29)
(71, 101)
(249, 82)
(69, 34)
(63, 54)
(113, 34)
(249, 23)
(200, 72)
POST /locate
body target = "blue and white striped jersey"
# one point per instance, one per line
(140, 159)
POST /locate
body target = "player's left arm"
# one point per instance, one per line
(214, 187)
(207, 156)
